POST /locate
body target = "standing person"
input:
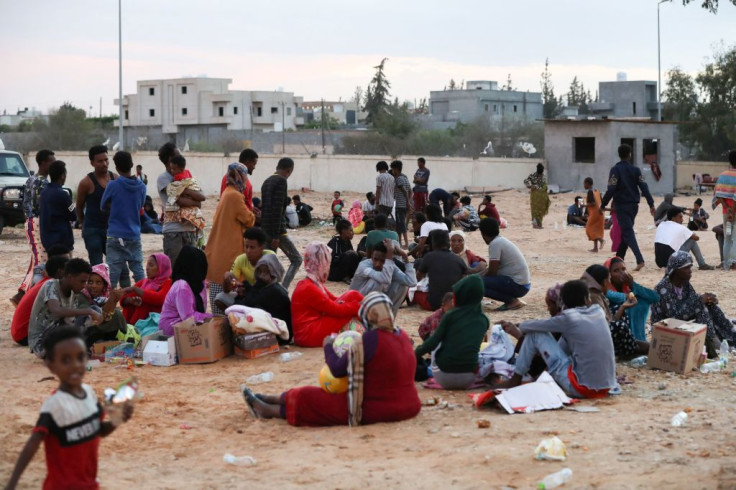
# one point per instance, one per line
(232, 218)
(624, 183)
(273, 195)
(403, 196)
(336, 207)
(539, 199)
(594, 228)
(507, 278)
(176, 233)
(385, 184)
(725, 191)
(249, 158)
(140, 175)
(124, 197)
(90, 216)
(31, 209)
(57, 210)
(421, 185)
(441, 197)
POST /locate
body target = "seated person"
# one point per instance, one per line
(443, 269)
(576, 213)
(672, 235)
(597, 278)
(623, 282)
(22, 314)
(149, 218)
(267, 293)
(379, 232)
(476, 264)
(417, 220)
(355, 216)
(582, 362)
(316, 312)
(678, 299)
(243, 272)
(380, 273)
(698, 217)
(99, 293)
(380, 372)
(187, 297)
(434, 222)
(344, 259)
(430, 324)
(369, 206)
(456, 342)
(183, 181)
(59, 304)
(487, 209)
(661, 213)
(361, 248)
(466, 217)
(292, 217)
(303, 210)
(148, 295)
(507, 278)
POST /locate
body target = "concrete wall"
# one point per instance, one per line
(326, 173)
(624, 94)
(686, 169)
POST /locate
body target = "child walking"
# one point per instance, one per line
(71, 421)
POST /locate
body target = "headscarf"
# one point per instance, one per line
(102, 270)
(464, 252)
(273, 264)
(317, 258)
(553, 296)
(164, 272)
(595, 287)
(237, 175)
(609, 264)
(191, 266)
(678, 260)
(376, 312)
(355, 215)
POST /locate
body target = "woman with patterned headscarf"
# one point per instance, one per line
(380, 370)
(539, 200)
(232, 218)
(316, 312)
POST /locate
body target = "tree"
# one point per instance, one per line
(377, 94)
(710, 5)
(67, 129)
(577, 96)
(552, 107)
(681, 99)
(452, 85)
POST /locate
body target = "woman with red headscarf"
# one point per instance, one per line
(148, 295)
(316, 312)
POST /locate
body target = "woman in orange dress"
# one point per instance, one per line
(596, 218)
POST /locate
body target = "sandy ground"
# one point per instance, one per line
(628, 444)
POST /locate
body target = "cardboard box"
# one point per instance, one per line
(208, 342)
(258, 340)
(160, 351)
(256, 353)
(99, 348)
(676, 345)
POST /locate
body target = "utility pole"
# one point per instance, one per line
(283, 128)
(120, 75)
(659, 67)
(100, 107)
(324, 150)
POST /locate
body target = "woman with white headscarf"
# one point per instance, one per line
(475, 263)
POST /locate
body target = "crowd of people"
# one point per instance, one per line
(595, 319)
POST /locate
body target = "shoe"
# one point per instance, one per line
(506, 307)
(639, 267)
(18, 296)
(249, 398)
(706, 267)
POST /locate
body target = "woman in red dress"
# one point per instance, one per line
(380, 370)
(148, 294)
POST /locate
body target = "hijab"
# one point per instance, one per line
(164, 272)
(355, 215)
(593, 277)
(102, 270)
(191, 266)
(237, 175)
(553, 296)
(274, 266)
(464, 252)
(609, 264)
(678, 260)
(376, 312)
(317, 258)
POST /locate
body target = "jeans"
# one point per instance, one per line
(95, 240)
(122, 253)
(558, 361)
(691, 245)
(175, 241)
(503, 288)
(287, 246)
(626, 214)
(729, 249)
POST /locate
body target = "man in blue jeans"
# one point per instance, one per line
(507, 278)
(124, 197)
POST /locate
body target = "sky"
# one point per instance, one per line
(55, 51)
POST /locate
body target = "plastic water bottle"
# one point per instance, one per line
(713, 366)
(555, 479)
(724, 350)
(239, 460)
(728, 228)
(679, 419)
(640, 361)
(289, 356)
(260, 378)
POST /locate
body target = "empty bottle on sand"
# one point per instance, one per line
(640, 361)
(555, 479)
(239, 460)
(260, 378)
(679, 419)
(289, 356)
(713, 366)
(724, 350)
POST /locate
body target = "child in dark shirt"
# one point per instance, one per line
(344, 259)
(336, 207)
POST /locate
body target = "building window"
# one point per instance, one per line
(152, 112)
(183, 111)
(220, 111)
(184, 90)
(514, 108)
(584, 150)
(650, 151)
(288, 111)
(259, 111)
(151, 90)
(235, 110)
(633, 108)
(495, 108)
(274, 110)
(486, 108)
(126, 113)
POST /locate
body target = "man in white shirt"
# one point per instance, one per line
(672, 235)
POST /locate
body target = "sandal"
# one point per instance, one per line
(506, 307)
(249, 398)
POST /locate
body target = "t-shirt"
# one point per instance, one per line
(422, 173)
(376, 236)
(512, 261)
(41, 317)
(444, 269)
(125, 197)
(385, 182)
(162, 183)
(71, 427)
(368, 207)
(401, 182)
(22, 313)
(243, 270)
(429, 226)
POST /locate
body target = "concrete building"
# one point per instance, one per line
(343, 112)
(576, 149)
(180, 103)
(482, 98)
(626, 99)
(26, 114)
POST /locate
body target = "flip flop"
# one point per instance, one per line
(249, 398)
(506, 307)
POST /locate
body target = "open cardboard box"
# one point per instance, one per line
(160, 351)
(676, 345)
(207, 342)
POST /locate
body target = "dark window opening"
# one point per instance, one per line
(259, 111)
(220, 111)
(633, 108)
(288, 111)
(514, 108)
(184, 111)
(235, 110)
(274, 110)
(152, 112)
(126, 113)
(184, 90)
(650, 151)
(584, 150)
(151, 90)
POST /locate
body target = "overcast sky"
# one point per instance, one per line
(54, 51)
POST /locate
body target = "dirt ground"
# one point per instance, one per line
(190, 416)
